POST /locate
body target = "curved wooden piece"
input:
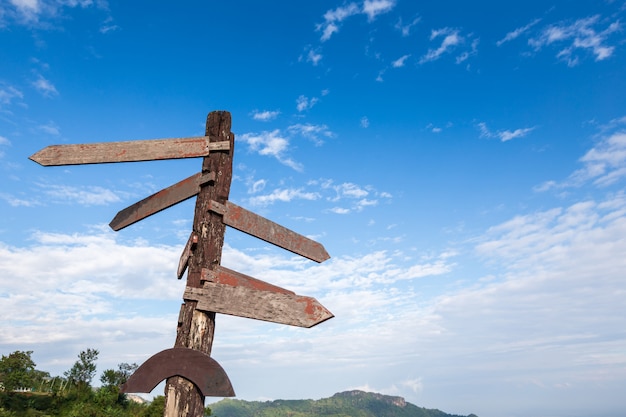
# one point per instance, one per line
(199, 368)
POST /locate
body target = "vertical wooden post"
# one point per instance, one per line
(196, 328)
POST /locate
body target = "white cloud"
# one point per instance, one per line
(451, 38)
(580, 35)
(373, 8)
(108, 26)
(503, 135)
(507, 135)
(304, 103)
(275, 144)
(333, 18)
(50, 128)
(18, 202)
(270, 144)
(312, 132)
(35, 12)
(8, 93)
(400, 62)
(313, 57)
(603, 165)
(4, 141)
(406, 29)
(84, 196)
(282, 195)
(45, 87)
(265, 115)
(466, 54)
(365, 123)
(517, 32)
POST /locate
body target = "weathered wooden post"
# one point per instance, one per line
(196, 327)
(191, 373)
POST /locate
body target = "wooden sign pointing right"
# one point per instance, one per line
(129, 151)
(258, 226)
(273, 306)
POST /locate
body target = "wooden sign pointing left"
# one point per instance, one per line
(129, 151)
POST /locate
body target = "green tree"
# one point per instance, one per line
(84, 369)
(17, 370)
(117, 378)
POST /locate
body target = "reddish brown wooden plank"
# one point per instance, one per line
(161, 200)
(258, 226)
(222, 275)
(128, 151)
(290, 309)
(193, 365)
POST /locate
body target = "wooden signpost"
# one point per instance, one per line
(190, 371)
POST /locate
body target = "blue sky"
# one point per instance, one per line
(462, 163)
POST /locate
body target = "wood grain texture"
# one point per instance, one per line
(195, 366)
(258, 226)
(127, 151)
(222, 275)
(161, 200)
(196, 327)
(271, 306)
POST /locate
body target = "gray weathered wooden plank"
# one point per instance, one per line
(183, 262)
(241, 301)
(258, 226)
(161, 200)
(127, 151)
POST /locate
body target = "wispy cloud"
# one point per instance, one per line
(517, 32)
(50, 128)
(265, 115)
(583, 35)
(364, 122)
(283, 195)
(84, 196)
(405, 29)
(36, 12)
(355, 197)
(108, 26)
(276, 144)
(8, 93)
(373, 8)
(400, 62)
(603, 165)
(304, 103)
(45, 87)
(270, 143)
(14, 201)
(316, 133)
(503, 135)
(333, 18)
(345, 198)
(451, 39)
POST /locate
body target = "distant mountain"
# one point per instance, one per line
(343, 404)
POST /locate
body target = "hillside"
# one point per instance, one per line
(344, 404)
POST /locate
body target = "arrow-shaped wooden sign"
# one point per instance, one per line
(161, 200)
(255, 225)
(128, 151)
(272, 306)
(223, 275)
